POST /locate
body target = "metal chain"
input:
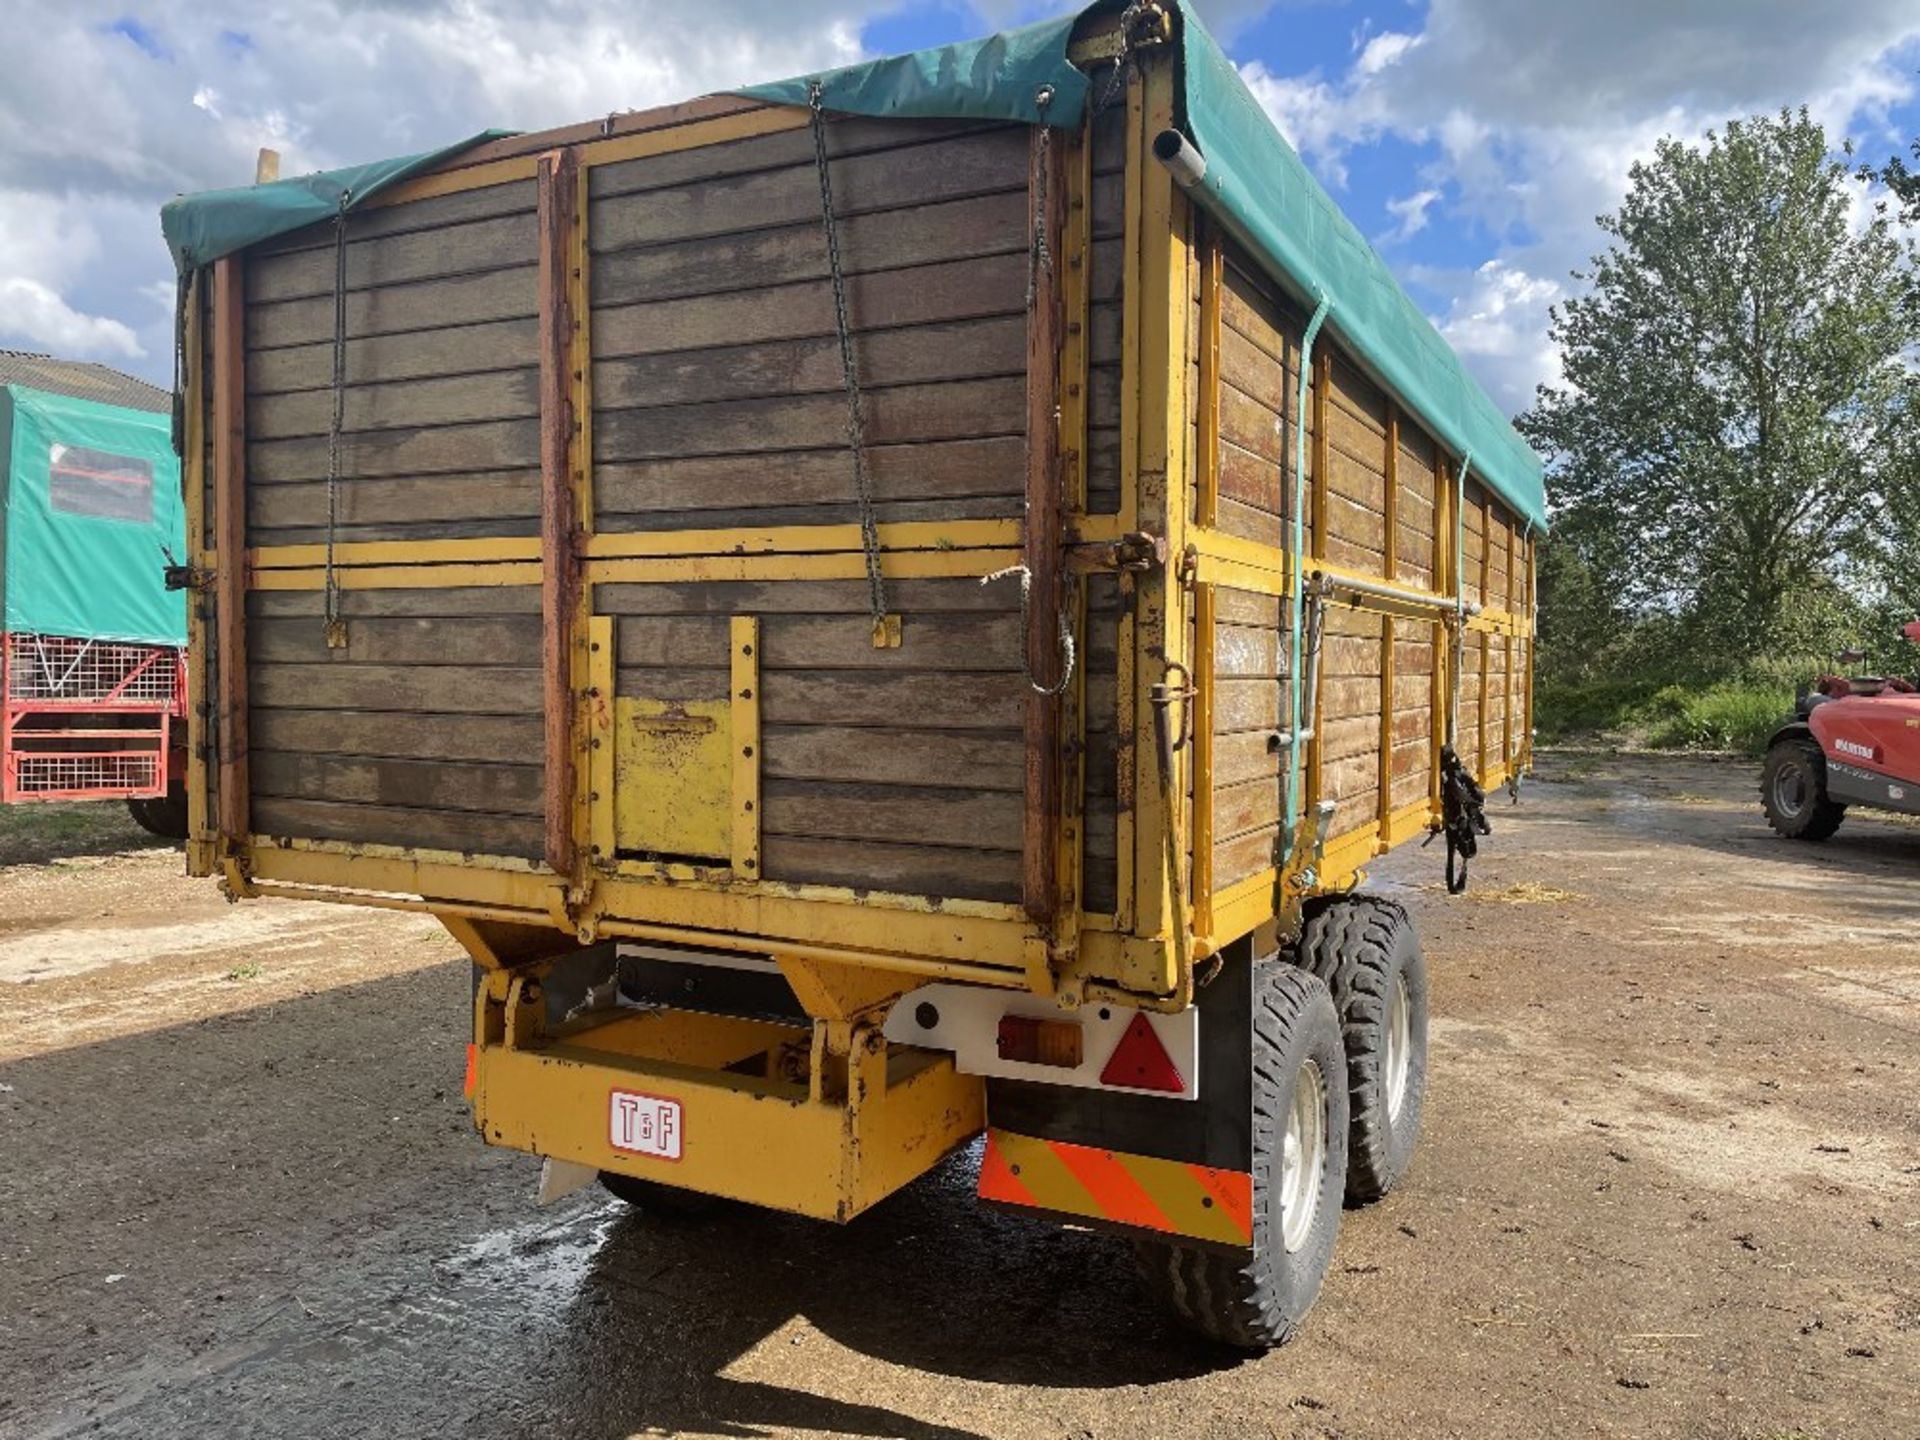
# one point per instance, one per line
(1040, 258)
(1068, 650)
(849, 369)
(332, 598)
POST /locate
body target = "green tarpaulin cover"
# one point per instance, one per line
(1255, 185)
(90, 509)
(201, 228)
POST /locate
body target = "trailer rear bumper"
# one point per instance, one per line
(852, 1129)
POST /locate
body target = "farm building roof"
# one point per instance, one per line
(1254, 185)
(82, 380)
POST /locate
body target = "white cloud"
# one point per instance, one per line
(1498, 324)
(43, 318)
(1411, 212)
(1382, 51)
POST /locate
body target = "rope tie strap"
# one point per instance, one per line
(335, 626)
(1067, 647)
(886, 627)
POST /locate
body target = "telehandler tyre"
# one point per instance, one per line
(1368, 952)
(654, 1199)
(1793, 791)
(1256, 1301)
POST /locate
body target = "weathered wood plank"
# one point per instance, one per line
(419, 690)
(452, 603)
(398, 405)
(420, 507)
(937, 471)
(868, 865)
(943, 702)
(957, 410)
(440, 450)
(818, 597)
(718, 205)
(960, 350)
(406, 784)
(951, 818)
(879, 300)
(394, 640)
(433, 213)
(500, 739)
(468, 833)
(478, 245)
(381, 359)
(955, 230)
(427, 305)
(873, 756)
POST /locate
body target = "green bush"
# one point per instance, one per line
(1722, 717)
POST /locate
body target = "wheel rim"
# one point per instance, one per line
(1303, 1157)
(1789, 790)
(1399, 1047)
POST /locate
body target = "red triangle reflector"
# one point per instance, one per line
(1141, 1062)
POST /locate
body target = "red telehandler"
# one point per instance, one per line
(1850, 741)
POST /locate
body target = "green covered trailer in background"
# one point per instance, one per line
(90, 637)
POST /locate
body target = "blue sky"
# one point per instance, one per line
(1473, 140)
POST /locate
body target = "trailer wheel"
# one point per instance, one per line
(1368, 952)
(651, 1198)
(1256, 1300)
(1793, 792)
(164, 815)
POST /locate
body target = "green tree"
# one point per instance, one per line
(1729, 431)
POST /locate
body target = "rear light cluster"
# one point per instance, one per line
(1138, 1062)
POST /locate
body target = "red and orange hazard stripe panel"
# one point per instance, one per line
(1170, 1196)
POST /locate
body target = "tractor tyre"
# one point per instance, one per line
(1793, 791)
(652, 1198)
(1255, 1300)
(1368, 952)
(164, 815)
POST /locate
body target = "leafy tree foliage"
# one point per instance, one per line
(1732, 444)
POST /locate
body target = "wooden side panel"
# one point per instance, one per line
(439, 424)
(1100, 883)
(1357, 472)
(1349, 741)
(900, 768)
(424, 731)
(1106, 284)
(1415, 556)
(1259, 385)
(1249, 660)
(717, 376)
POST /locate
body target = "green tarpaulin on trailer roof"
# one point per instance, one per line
(200, 229)
(1255, 185)
(90, 509)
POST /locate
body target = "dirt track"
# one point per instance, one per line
(1670, 1185)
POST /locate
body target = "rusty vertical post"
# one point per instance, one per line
(1046, 195)
(559, 520)
(230, 543)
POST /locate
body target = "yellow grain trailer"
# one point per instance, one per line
(879, 609)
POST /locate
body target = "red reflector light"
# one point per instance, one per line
(472, 1068)
(1033, 1041)
(1141, 1062)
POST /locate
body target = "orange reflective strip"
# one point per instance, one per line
(1232, 1191)
(997, 1180)
(1116, 1194)
(473, 1068)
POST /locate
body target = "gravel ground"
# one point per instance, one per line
(1669, 1186)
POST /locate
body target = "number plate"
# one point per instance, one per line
(644, 1124)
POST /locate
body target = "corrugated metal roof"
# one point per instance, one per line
(82, 379)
